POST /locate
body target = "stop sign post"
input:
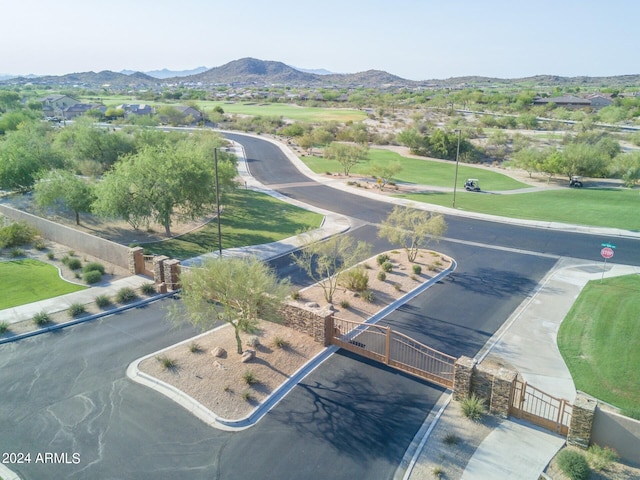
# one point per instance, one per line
(606, 253)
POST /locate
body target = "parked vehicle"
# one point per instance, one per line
(575, 182)
(472, 185)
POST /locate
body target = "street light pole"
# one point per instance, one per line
(455, 181)
(215, 165)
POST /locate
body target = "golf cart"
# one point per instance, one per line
(575, 182)
(472, 185)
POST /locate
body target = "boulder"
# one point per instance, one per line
(219, 352)
(248, 355)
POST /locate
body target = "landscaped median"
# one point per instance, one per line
(208, 377)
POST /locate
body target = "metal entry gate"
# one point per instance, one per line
(540, 408)
(392, 348)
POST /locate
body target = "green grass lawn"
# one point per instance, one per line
(27, 281)
(290, 111)
(601, 207)
(248, 218)
(599, 341)
(421, 171)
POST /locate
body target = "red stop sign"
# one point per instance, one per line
(606, 252)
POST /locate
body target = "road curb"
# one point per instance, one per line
(88, 318)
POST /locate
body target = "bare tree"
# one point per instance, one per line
(324, 261)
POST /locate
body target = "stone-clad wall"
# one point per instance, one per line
(584, 409)
(491, 384)
(306, 320)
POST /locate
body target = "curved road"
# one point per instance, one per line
(67, 392)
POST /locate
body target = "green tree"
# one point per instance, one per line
(324, 261)
(627, 167)
(528, 159)
(582, 159)
(414, 140)
(63, 188)
(347, 155)
(83, 142)
(25, 152)
(385, 172)
(163, 182)
(238, 291)
(412, 229)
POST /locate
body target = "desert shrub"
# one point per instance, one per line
(103, 300)
(16, 252)
(92, 276)
(4, 327)
(246, 396)
(253, 341)
(39, 244)
(473, 408)
(65, 259)
(438, 472)
(167, 363)
(397, 286)
(355, 279)
(417, 269)
(387, 266)
(573, 464)
(74, 263)
(382, 276)
(249, 377)
(380, 259)
(368, 296)
(76, 309)
(345, 303)
(51, 255)
(93, 267)
(148, 288)
(41, 318)
(280, 342)
(601, 458)
(16, 234)
(295, 295)
(451, 439)
(195, 348)
(125, 294)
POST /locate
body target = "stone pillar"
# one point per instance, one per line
(136, 260)
(501, 392)
(584, 410)
(482, 383)
(158, 268)
(462, 376)
(172, 274)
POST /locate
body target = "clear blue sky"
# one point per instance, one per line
(414, 39)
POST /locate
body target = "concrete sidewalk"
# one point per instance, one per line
(515, 449)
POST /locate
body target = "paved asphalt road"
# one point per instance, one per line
(67, 392)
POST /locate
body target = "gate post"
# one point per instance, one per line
(462, 374)
(328, 330)
(584, 410)
(387, 346)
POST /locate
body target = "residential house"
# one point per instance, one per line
(566, 101)
(54, 105)
(136, 109)
(190, 114)
(78, 109)
(598, 100)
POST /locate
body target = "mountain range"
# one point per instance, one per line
(261, 73)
